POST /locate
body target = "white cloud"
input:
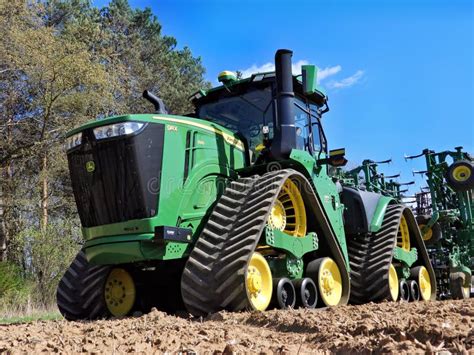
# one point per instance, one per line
(322, 73)
(295, 67)
(328, 71)
(346, 82)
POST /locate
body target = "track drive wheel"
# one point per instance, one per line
(422, 277)
(119, 292)
(403, 235)
(460, 175)
(329, 281)
(393, 283)
(288, 213)
(258, 282)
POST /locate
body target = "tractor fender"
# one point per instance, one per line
(364, 210)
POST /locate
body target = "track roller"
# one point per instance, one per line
(284, 294)
(404, 293)
(414, 290)
(306, 293)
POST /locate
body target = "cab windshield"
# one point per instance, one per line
(245, 114)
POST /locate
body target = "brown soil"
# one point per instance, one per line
(389, 327)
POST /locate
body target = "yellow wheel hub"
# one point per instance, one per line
(461, 173)
(403, 237)
(288, 213)
(330, 282)
(393, 282)
(277, 219)
(428, 233)
(258, 282)
(425, 284)
(119, 292)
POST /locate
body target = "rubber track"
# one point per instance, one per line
(213, 276)
(80, 292)
(371, 255)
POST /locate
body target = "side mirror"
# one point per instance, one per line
(336, 158)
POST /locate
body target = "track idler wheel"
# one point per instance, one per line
(414, 290)
(119, 292)
(422, 277)
(393, 283)
(404, 293)
(284, 294)
(258, 282)
(306, 293)
(327, 275)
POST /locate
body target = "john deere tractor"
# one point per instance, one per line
(230, 207)
(445, 213)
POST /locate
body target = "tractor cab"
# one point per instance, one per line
(249, 107)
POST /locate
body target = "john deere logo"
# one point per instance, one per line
(90, 166)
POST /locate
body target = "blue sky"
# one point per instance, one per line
(399, 74)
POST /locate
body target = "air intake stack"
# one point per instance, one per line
(285, 133)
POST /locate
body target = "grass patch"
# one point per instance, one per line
(31, 317)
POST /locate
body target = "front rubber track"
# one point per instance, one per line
(80, 293)
(214, 276)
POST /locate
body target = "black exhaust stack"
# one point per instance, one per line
(285, 132)
(160, 107)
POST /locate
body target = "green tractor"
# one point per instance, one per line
(230, 207)
(445, 214)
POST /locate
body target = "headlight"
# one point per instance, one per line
(117, 129)
(73, 141)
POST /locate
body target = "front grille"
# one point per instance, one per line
(116, 180)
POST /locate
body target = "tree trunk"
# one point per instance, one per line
(3, 233)
(44, 188)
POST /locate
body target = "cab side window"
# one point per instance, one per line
(318, 137)
(302, 125)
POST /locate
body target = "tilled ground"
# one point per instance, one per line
(388, 327)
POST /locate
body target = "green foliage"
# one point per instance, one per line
(63, 62)
(14, 288)
(10, 278)
(47, 252)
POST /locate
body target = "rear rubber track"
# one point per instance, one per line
(80, 293)
(214, 276)
(371, 255)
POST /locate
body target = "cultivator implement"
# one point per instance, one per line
(445, 213)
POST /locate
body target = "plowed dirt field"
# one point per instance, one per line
(388, 327)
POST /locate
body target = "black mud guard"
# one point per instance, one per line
(359, 210)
